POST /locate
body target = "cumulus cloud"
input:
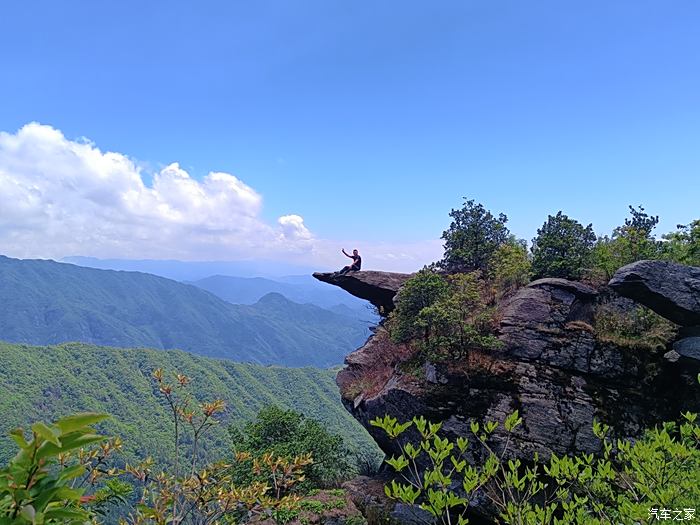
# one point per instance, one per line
(63, 197)
(60, 196)
(293, 228)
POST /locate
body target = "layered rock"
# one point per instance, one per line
(551, 367)
(379, 288)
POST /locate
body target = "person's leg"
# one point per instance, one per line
(344, 270)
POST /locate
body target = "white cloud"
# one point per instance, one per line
(293, 228)
(62, 197)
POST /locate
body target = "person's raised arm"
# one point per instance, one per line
(346, 255)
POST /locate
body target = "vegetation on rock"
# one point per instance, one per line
(450, 306)
(627, 482)
(638, 327)
(445, 315)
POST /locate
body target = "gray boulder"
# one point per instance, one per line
(670, 289)
(688, 347)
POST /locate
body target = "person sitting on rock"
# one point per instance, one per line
(356, 262)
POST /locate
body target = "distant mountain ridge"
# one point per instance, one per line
(300, 289)
(240, 282)
(192, 270)
(45, 302)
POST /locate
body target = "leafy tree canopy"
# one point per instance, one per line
(472, 238)
(633, 241)
(286, 433)
(511, 266)
(640, 224)
(562, 247)
(683, 245)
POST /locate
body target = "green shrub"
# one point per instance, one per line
(622, 484)
(286, 433)
(511, 267)
(639, 328)
(419, 292)
(460, 321)
(445, 316)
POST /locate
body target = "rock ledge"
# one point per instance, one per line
(379, 288)
(670, 289)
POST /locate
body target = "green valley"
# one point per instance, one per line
(44, 383)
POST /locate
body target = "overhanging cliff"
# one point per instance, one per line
(379, 288)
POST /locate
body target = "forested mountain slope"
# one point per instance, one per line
(42, 383)
(45, 302)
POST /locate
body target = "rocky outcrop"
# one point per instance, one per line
(688, 347)
(551, 367)
(670, 289)
(379, 288)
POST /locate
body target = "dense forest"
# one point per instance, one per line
(44, 383)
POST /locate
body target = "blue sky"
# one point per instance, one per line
(370, 120)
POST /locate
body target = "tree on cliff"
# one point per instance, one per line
(683, 245)
(445, 316)
(421, 291)
(472, 238)
(562, 247)
(633, 241)
(511, 266)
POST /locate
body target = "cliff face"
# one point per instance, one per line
(551, 367)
